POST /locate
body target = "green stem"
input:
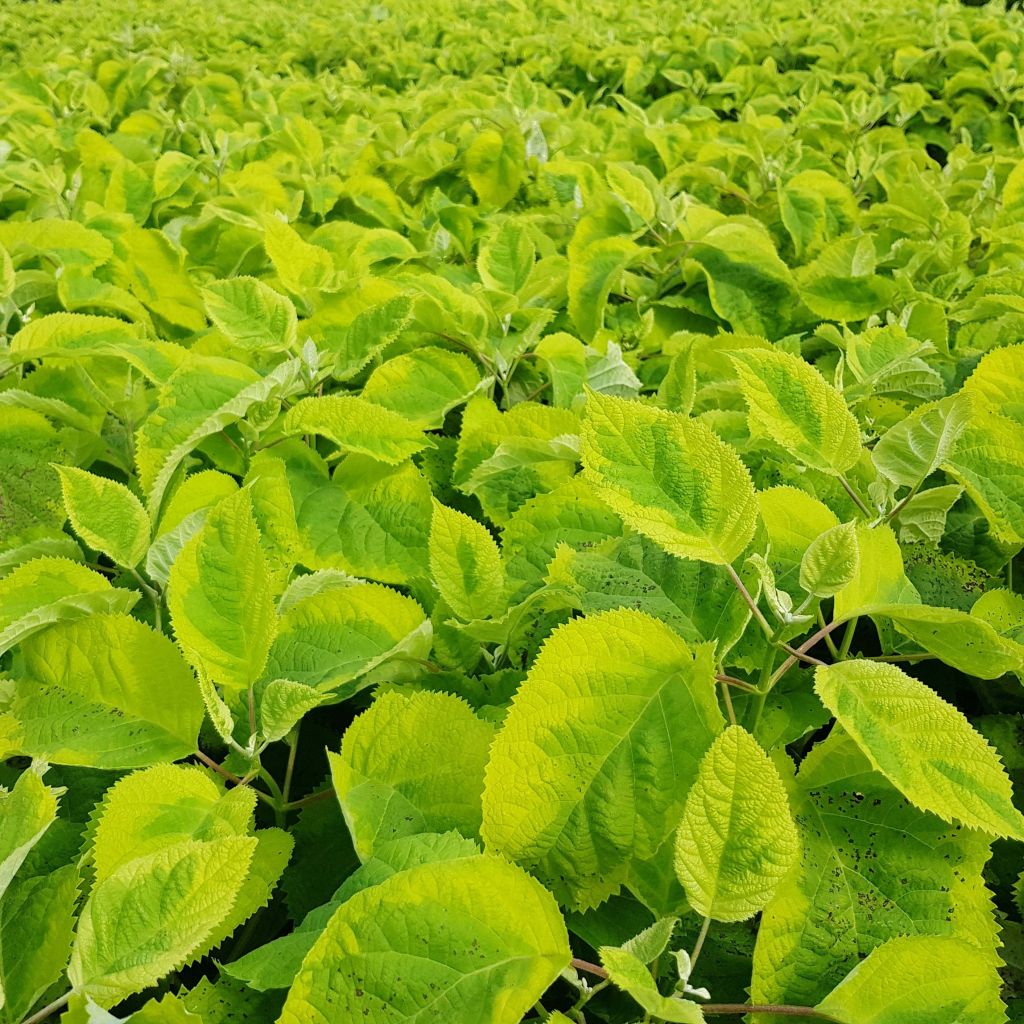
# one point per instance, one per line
(57, 1004)
(763, 687)
(251, 700)
(154, 597)
(844, 647)
(828, 638)
(292, 739)
(727, 698)
(699, 944)
(313, 798)
(739, 684)
(902, 504)
(854, 496)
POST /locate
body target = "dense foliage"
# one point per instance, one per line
(509, 511)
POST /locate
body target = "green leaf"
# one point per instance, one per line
(988, 460)
(251, 314)
(200, 399)
(466, 564)
(28, 810)
(150, 916)
(749, 286)
(590, 769)
(335, 637)
(371, 520)
(37, 917)
(699, 601)
(628, 972)
(357, 425)
(923, 519)
(831, 561)
(423, 386)
(495, 163)
(43, 591)
(472, 939)
(670, 478)
(275, 964)
(930, 980)
(879, 579)
(791, 404)
(506, 258)
(925, 747)
(995, 383)
(30, 504)
(594, 270)
(915, 447)
(69, 242)
(353, 344)
(570, 514)
(300, 265)
(737, 840)
(106, 515)
(815, 207)
(282, 704)
(108, 692)
(219, 596)
(873, 867)
(966, 642)
(161, 806)
(411, 764)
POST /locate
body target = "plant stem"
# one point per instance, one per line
(828, 638)
(292, 739)
(311, 799)
(699, 944)
(230, 776)
(801, 653)
(252, 712)
(749, 600)
(854, 496)
(772, 634)
(57, 1004)
(730, 710)
(154, 597)
(897, 658)
(740, 1009)
(739, 684)
(589, 968)
(851, 628)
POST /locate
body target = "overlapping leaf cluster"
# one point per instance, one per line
(509, 512)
